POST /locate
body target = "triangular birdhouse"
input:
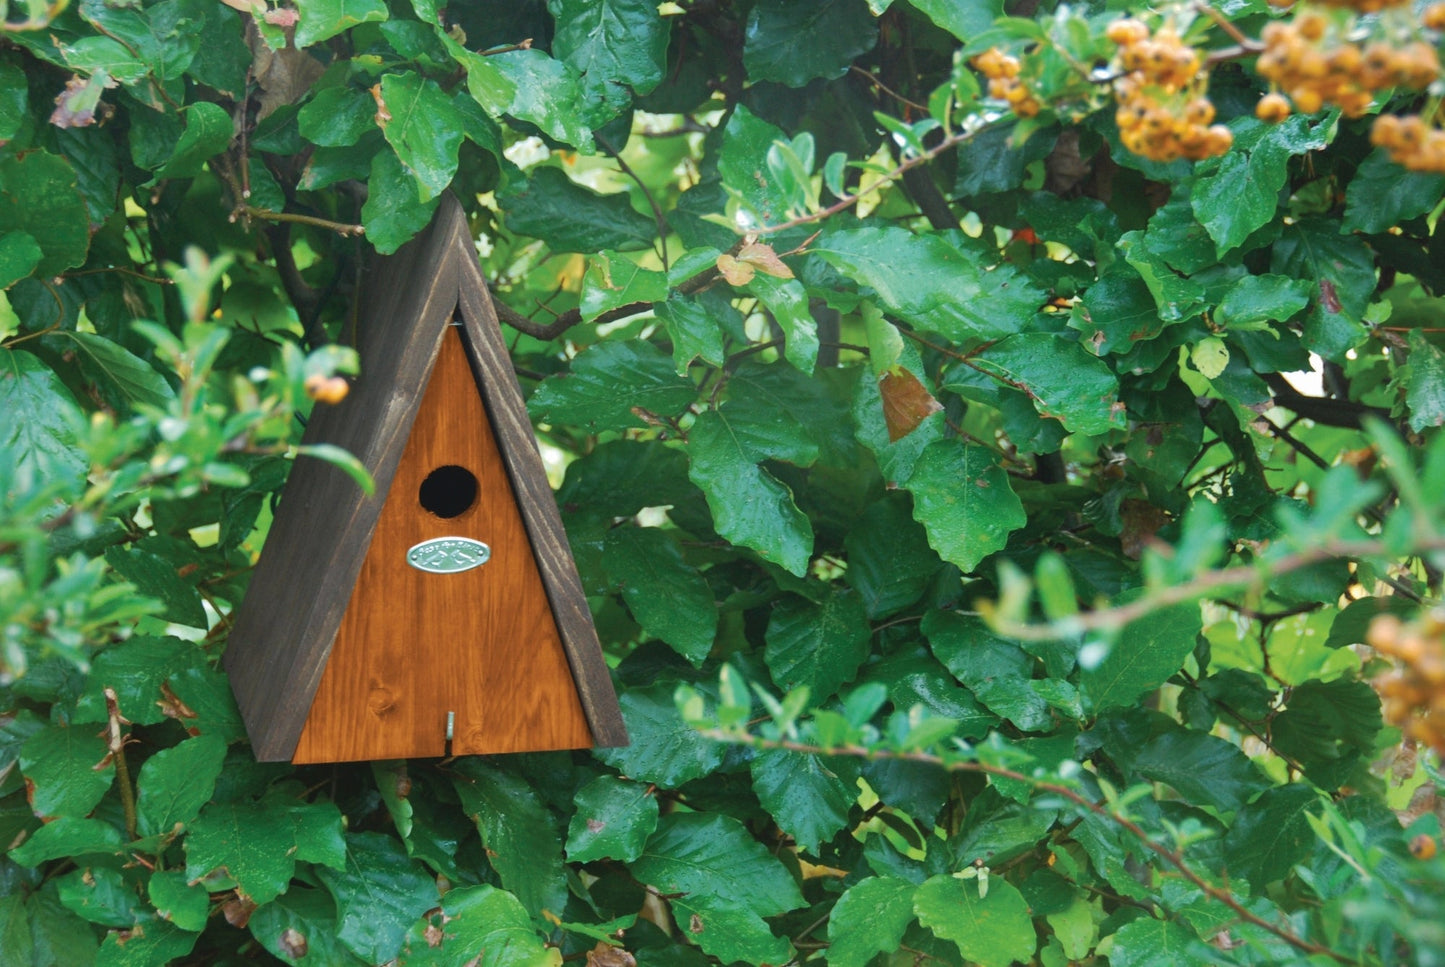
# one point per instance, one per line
(443, 614)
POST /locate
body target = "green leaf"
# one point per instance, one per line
(1382, 195)
(1176, 298)
(13, 96)
(693, 331)
(156, 577)
(1147, 942)
(964, 501)
(793, 43)
(809, 795)
(669, 598)
(258, 843)
(153, 944)
(101, 895)
(42, 445)
(787, 300)
(932, 284)
(176, 782)
(379, 893)
(123, 376)
(890, 563)
(337, 116)
(1116, 312)
(300, 928)
(324, 19)
(392, 213)
(613, 281)
(869, 918)
(750, 507)
(664, 749)
(713, 855)
(519, 833)
(742, 163)
(1239, 196)
(817, 645)
(1425, 385)
(208, 131)
(1202, 768)
(36, 931)
(1065, 382)
(1262, 298)
(1342, 268)
(614, 818)
(19, 254)
(67, 770)
(998, 157)
(607, 382)
(544, 91)
(136, 669)
(1142, 657)
(1270, 835)
(67, 836)
(619, 47)
(1328, 727)
(965, 19)
(39, 196)
(996, 670)
(424, 129)
(479, 926)
(187, 905)
(570, 218)
(1352, 623)
(992, 930)
(729, 932)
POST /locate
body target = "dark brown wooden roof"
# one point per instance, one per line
(285, 627)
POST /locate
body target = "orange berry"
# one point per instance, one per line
(327, 390)
(1434, 16)
(1423, 847)
(1306, 99)
(1272, 108)
(1127, 31)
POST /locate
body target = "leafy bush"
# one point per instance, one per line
(1002, 448)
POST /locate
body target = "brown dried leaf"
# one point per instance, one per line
(1141, 521)
(606, 955)
(284, 76)
(762, 257)
(736, 273)
(906, 402)
(238, 911)
(75, 106)
(294, 943)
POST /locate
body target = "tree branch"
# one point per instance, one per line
(1330, 412)
(1173, 857)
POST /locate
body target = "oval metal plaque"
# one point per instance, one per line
(448, 555)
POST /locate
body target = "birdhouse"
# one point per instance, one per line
(443, 614)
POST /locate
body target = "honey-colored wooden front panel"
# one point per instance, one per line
(414, 645)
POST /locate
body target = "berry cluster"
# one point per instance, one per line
(1311, 60)
(1410, 142)
(1162, 112)
(1004, 83)
(1414, 691)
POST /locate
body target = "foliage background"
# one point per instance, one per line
(983, 471)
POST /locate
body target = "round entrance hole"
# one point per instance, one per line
(448, 491)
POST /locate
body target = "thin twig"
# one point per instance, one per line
(874, 80)
(657, 215)
(848, 201)
(115, 743)
(119, 270)
(265, 214)
(1247, 577)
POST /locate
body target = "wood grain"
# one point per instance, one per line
(414, 645)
